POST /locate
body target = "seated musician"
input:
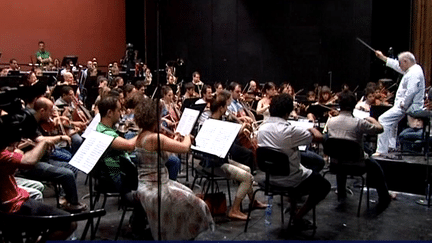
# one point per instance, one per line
(15, 200)
(148, 76)
(279, 134)
(115, 167)
(236, 107)
(411, 137)
(287, 88)
(206, 99)
(13, 65)
(68, 79)
(233, 169)
(190, 91)
(109, 165)
(65, 102)
(218, 86)
(54, 170)
(207, 96)
(118, 83)
(324, 99)
(198, 84)
(170, 112)
(369, 101)
(263, 106)
(346, 126)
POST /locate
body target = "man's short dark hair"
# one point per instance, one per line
(195, 73)
(65, 90)
(205, 87)
(231, 87)
(41, 42)
(107, 103)
(281, 105)
(11, 60)
(220, 101)
(189, 85)
(347, 101)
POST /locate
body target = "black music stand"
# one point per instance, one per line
(11, 81)
(187, 103)
(378, 110)
(74, 59)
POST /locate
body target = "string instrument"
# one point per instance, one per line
(80, 113)
(246, 134)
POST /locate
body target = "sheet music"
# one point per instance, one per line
(216, 137)
(92, 126)
(187, 121)
(360, 114)
(302, 123)
(305, 124)
(90, 151)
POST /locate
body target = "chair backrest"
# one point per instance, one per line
(14, 223)
(273, 162)
(343, 150)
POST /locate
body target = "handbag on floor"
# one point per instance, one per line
(216, 202)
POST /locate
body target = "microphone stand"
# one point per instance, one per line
(158, 94)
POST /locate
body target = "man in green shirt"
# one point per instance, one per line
(43, 57)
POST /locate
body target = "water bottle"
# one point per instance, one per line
(268, 212)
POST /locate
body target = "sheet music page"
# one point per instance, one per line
(305, 124)
(92, 126)
(187, 121)
(302, 123)
(360, 114)
(216, 137)
(90, 151)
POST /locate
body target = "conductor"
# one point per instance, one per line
(409, 98)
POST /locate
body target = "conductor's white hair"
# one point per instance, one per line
(407, 55)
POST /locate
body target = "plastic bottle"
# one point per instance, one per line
(268, 212)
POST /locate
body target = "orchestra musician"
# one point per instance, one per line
(409, 98)
(369, 100)
(198, 84)
(287, 88)
(279, 134)
(269, 90)
(234, 170)
(218, 86)
(190, 91)
(236, 107)
(66, 101)
(253, 94)
(170, 111)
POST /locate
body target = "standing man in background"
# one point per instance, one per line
(43, 57)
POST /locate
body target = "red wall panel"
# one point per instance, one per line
(86, 28)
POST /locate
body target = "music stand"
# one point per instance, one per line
(11, 81)
(378, 110)
(187, 103)
(74, 59)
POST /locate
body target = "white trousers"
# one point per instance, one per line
(389, 120)
(34, 188)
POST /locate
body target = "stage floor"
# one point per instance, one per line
(404, 219)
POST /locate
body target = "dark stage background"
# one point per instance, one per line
(299, 41)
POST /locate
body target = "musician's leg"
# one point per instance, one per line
(245, 179)
(389, 121)
(312, 161)
(173, 166)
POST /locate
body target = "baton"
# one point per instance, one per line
(364, 43)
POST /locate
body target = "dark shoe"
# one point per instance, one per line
(302, 225)
(75, 208)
